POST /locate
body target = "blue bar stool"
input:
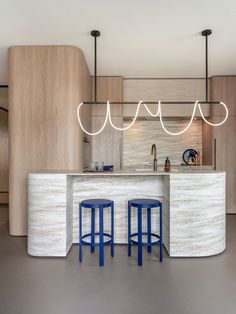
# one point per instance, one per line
(141, 204)
(94, 204)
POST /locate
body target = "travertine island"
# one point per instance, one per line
(193, 208)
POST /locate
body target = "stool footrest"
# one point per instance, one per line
(152, 243)
(96, 234)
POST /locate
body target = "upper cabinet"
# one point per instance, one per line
(46, 84)
(222, 89)
(109, 88)
(164, 90)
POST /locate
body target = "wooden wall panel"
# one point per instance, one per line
(223, 88)
(164, 90)
(107, 146)
(109, 88)
(3, 154)
(46, 83)
(207, 143)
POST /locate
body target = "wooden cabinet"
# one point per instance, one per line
(4, 153)
(107, 146)
(3, 157)
(46, 84)
(223, 88)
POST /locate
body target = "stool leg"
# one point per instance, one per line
(149, 226)
(101, 240)
(112, 229)
(161, 244)
(92, 229)
(129, 229)
(80, 234)
(140, 253)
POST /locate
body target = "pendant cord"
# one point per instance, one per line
(206, 33)
(206, 68)
(95, 34)
(95, 69)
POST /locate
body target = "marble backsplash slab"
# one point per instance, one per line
(137, 142)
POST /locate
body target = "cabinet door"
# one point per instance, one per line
(107, 145)
(225, 157)
(223, 88)
(3, 157)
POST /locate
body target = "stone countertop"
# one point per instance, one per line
(133, 172)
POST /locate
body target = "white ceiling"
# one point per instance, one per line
(152, 38)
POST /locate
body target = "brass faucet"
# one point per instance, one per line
(154, 153)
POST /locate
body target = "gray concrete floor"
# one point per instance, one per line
(63, 286)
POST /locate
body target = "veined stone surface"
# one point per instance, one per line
(137, 142)
(193, 209)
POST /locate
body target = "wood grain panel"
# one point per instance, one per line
(107, 146)
(223, 88)
(4, 216)
(164, 90)
(3, 153)
(207, 143)
(4, 97)
(109, 88)
(46, 83)
(225, 157)
(4, 198)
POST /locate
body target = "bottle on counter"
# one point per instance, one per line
(167, 165)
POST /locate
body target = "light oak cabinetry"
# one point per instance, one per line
(3, 157)
(107, 146)
(46, 83)
(223, 88)
(3, 147)
(164, 90)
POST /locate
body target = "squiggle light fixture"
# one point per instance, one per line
(95, 34)
(108, 117)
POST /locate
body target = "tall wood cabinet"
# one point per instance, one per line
(46, 84)
(223, 88)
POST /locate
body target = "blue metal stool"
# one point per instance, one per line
(148, 204)
(96, 204)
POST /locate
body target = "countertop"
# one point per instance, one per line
(133, 172)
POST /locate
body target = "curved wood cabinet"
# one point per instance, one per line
(46, 83)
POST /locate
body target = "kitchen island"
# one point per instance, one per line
(193, 208)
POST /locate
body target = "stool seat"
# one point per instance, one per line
(95, 203)
(145, 202)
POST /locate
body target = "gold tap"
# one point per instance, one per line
(154, 153)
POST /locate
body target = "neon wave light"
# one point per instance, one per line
(158, 113)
